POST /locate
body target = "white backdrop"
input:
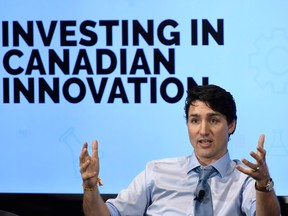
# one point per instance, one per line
(41, 137)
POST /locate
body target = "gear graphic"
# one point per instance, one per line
(278, 147)
(271, 61)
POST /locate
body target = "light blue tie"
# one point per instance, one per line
(203, 199)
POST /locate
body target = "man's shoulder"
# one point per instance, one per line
(169, 163)
(171, 160)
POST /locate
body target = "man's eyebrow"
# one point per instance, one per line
(214, 114)
(194, 115)
(209, 114)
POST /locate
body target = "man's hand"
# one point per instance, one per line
(259, 170)
(89, 165)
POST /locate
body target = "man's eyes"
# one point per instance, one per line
(197, 121)
(194, 121)
(214, 120)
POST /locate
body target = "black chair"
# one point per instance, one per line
(5, 213)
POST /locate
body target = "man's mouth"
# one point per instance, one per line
(205, 142)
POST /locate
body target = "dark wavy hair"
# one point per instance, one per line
(215, 97)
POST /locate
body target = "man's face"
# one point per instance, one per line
(208, 132)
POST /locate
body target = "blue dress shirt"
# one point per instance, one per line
(166, 187)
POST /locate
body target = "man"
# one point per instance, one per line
(169, 186)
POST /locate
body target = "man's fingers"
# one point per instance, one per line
(257, 157)
(94, 148)
(88, 175)
(261, 141)
(249, 164)
(258, 170)
(84, 153)
(261, 152)
(84, 166)
(242, 169)
(89, 165)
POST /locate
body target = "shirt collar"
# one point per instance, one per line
(222, 164)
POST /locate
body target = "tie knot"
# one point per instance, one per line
(206, 172)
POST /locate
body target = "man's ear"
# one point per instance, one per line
(231, 127)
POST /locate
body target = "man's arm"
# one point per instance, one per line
(93, 204)
(266, 202)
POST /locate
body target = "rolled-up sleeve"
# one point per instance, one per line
(133, 200)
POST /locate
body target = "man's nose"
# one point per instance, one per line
(204, 128)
